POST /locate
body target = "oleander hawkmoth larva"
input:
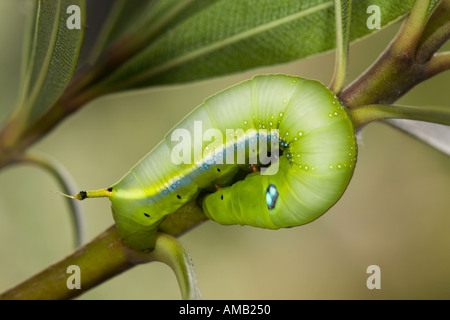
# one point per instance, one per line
(299, 124)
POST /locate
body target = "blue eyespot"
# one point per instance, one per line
(271, 196)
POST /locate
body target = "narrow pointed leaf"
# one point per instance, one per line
(122, 15)
(436, 135)
(31, 9)
(138, 22)
(233, 35)
(52, 55)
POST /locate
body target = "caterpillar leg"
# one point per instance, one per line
(172, 252)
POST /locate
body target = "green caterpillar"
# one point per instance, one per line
(311, 136)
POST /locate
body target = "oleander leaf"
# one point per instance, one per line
(233, 35)
(50, 56)
(436, 135)
(137, 22)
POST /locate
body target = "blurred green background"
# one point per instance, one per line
(395, 213)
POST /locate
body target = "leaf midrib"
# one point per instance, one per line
(47, 61)
(224, 42)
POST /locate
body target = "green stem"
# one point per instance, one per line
(343, 14)
(396, 71)
(14, 141)
(411, 33)
(365, 114)
(438, 63)
(389, 78)
(435, 34)
(101, 259)
(67, 185)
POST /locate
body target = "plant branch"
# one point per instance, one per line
(435, 34)
(439, 62)
(101, 259)
(14, 141)
(390, 77)
(396, 71)
(411, 32)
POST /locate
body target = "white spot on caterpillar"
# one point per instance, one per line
(284, 100)
(281, 114)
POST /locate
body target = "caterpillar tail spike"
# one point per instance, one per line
(91, 194)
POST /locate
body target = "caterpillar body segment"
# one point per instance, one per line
(300, 122)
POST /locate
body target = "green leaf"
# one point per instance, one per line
(138, 22)
(31, 7)
(51, 56)
(120, 18)
(234, 35)
(172, 252)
